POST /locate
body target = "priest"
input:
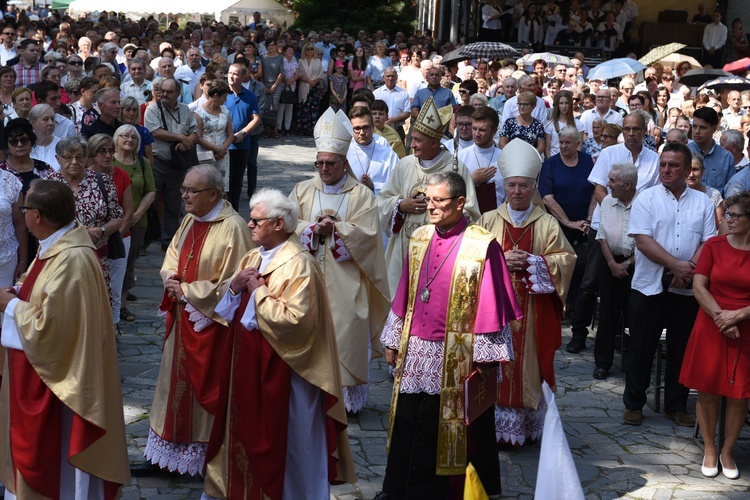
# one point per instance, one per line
(339, 225)
(204, 252)
(370, 157)
(284, 432)
(62, 432)
(541, 263)
(401, 202)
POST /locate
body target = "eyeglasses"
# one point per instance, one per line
(526, 104)
(25, 208)
(463, 91)
(607, 136)
(77, 158)
(190, 192)
(463, 125)
(9, 33)
(439, 201)
(627, 89)
(325, 163)
(727, 216)
(363, 128)
(256, 222)
(167, 91)
(18, 141)
(75, 63)
(105, 151)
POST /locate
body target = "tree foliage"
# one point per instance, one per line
(352, 15)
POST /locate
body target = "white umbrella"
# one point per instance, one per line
(615, 68)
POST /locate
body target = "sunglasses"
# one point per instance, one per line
(607, 136)
(18, 141)
(75, 63)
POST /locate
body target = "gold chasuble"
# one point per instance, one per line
(202, 255)
(463, 301)
(537, 335)
(65, 328)
(353, 263)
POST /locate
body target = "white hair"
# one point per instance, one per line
(277, 205)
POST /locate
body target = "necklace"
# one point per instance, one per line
(492, 158)
(365, 170)
(336, 212)
(190, 255)
(515, 242)
(424, 295)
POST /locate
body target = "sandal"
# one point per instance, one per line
(126, 315)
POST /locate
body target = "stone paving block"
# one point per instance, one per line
(370, 420)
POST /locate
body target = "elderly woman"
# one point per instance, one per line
(273, 80)
(215, 127)
(7, 86)
(130, 112)
(524, 126)
(310, 90)
(478, 100)
(143, 191)
(694, 182)
(291, 75)
(87, 98)
(717, 357)
(99, 213)
(569, 196)
(75, 68)
(84, 47)
(562, 116)
(14, 238)
(22, 101)
(42, 119)
(101, 153)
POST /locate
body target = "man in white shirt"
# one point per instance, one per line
(617, 250)
(190, 73)
(734, 142)
(714, 39)
(602, 110)
(463, 121)
(647, 163)
(7, 49)
(370, 157)
(525, 84)
(733, 113)
(481, 158)
(670, 222)
(137, 85)
(397, 99)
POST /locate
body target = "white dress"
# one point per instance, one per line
(215, 132)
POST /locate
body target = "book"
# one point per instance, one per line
(480, 393)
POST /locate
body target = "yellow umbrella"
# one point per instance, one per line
(675, 59)
(661, 52)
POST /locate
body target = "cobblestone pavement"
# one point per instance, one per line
(656, 460)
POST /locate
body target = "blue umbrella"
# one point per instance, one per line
(615, 68)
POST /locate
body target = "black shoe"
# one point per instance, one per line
(601, 373)
(147, 469)
(576, 345)
(131, 297)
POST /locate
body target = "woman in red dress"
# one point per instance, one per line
(717, 358)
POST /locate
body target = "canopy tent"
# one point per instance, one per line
(221, 9)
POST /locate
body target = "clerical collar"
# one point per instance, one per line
(457, 229)
(429, 163)
(335, 188)
(266, 256)
(517, 217)
(214, 213)
(465, 144)
(485, 151)
(50, 240)
(368, 148)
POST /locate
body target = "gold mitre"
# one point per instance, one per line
(333, 133)
(432, 121)
(519, 159)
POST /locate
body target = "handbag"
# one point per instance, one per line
(288, 96)
(181, 160)
(115, 245)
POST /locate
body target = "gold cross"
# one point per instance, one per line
(430, 119)
(480, 392)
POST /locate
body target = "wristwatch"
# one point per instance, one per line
(103, 230)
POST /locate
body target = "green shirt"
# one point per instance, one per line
(142, 183)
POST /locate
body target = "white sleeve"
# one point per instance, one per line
(228, 305)
(641, 218)
(10, 337)
(249, 320)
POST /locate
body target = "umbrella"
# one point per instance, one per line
(453, 56)
(739, 66)
(661, 52)
(488, 51)
(547, 57)
(696, 77)
(676, 59)
(733, 82)
(615, 68)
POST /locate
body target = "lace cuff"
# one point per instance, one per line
(397, 218)
(541, 282)
(392, 331)
(199, 320)
(494, 347)
(308, 239)
(339, 251)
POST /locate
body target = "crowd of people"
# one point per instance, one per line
(458, 212)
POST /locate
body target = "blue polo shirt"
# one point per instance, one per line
(442, 96)
(719, 165)
(241, 108)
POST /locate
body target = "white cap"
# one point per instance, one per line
(519, 159)
(333, 133)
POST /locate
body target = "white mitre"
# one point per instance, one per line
(519, 159)
(333, 133)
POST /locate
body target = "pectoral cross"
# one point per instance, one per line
(187, 262)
